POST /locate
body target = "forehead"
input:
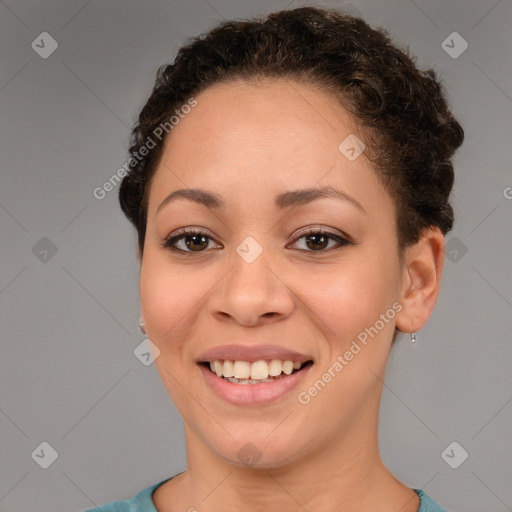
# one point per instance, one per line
(264, 115)
(263, 137)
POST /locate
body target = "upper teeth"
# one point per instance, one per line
(257, 370)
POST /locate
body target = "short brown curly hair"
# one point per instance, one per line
(408, 130)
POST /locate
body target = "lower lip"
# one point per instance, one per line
(252, 394)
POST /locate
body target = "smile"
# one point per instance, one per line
(246, 372)
(251, 383)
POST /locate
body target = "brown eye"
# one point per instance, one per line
(196, 241)
(318, 241)
(191, 241)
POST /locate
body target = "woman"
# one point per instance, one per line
(289, 181)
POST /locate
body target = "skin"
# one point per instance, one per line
(249, 142)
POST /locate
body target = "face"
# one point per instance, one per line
(254, 284)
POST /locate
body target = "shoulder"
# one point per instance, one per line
(427, 504)
(141, 502)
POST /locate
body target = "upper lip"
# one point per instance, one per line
(252, 353)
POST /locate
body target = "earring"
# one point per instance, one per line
(141, 327)
(413, 337)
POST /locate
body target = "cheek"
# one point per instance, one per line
(169, 298)
(350, 297)
(167, 295)
(349, 302)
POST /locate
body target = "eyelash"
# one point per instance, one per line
(167, 242)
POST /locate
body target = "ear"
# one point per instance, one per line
(421, 280)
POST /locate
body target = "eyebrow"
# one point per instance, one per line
(292, 198)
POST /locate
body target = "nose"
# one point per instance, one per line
(252, 293)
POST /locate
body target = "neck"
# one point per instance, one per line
(347, 475)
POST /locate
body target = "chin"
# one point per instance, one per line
(259, 452)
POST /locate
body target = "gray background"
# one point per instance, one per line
(69, 376)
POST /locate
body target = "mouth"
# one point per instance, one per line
(252, 383)
(255, 372)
